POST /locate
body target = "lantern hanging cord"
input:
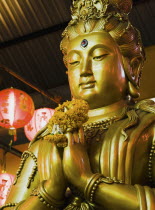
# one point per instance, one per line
(3, 161)
(29, 84)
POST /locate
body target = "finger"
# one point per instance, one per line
(56, 168)
(76, 137)
(55, 156)
(55, 162)
(70, 138)
(81, 136)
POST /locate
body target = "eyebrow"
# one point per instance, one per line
(101, 46)
(92, 49)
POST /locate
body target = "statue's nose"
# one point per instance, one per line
(86, 68)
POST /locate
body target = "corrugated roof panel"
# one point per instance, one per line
(39, 60)
(7, 33)
(9, 80)
(7, 23)
(143, 17)
(24, 17)
(39, 12)
(58, 11)
(56, 53)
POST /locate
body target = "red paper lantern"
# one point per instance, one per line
(6, 180)
(16, 108)
(38, 121)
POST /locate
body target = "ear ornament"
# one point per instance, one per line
(133, 91)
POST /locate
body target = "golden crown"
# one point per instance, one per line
(96, 9)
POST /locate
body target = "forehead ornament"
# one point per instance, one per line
(84, 43)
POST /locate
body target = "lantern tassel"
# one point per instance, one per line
(14, 138)
(12, 132)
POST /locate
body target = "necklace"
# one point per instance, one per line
(104, 124)
(97, 128)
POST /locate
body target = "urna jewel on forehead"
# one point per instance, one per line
(95, 9)
(84, 43)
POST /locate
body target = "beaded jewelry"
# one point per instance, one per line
(150, 164)
(24, 157)
(104, 124)
(45, 198)
(8, 205)
(92, 185)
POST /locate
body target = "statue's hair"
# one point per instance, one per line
(121, 30)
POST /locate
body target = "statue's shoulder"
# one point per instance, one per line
(147, 105)
(138, 120)
(145, 110)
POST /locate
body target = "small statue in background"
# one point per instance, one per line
(108, 161)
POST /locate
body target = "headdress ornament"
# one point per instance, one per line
(96, 9)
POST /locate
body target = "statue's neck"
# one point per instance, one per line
(106, 112)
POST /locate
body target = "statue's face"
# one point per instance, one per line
(95, 70)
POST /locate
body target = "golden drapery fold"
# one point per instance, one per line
(146, 197)
(119, 145)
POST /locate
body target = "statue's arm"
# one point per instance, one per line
(117, 196)
(27, 177)
(43, 188)
(122, 196)
(128, 197)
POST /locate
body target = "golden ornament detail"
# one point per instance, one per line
(96, 9)
(68, 117)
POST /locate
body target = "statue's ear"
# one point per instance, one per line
(133, 69)
(136, 65)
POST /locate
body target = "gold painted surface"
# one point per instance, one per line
(109, 163)
(86, 67)
(147, 87)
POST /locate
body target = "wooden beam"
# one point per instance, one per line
(10, 149)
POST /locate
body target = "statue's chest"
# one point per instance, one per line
(95, 138)
(118, 159)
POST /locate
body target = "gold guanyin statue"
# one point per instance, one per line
(103, 158)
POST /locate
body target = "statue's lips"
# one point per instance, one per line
(87, 85)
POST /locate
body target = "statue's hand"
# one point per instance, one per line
(56, 184)
(75, 160)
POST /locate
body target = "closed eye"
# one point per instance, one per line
(74, 63)
(100, 57)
